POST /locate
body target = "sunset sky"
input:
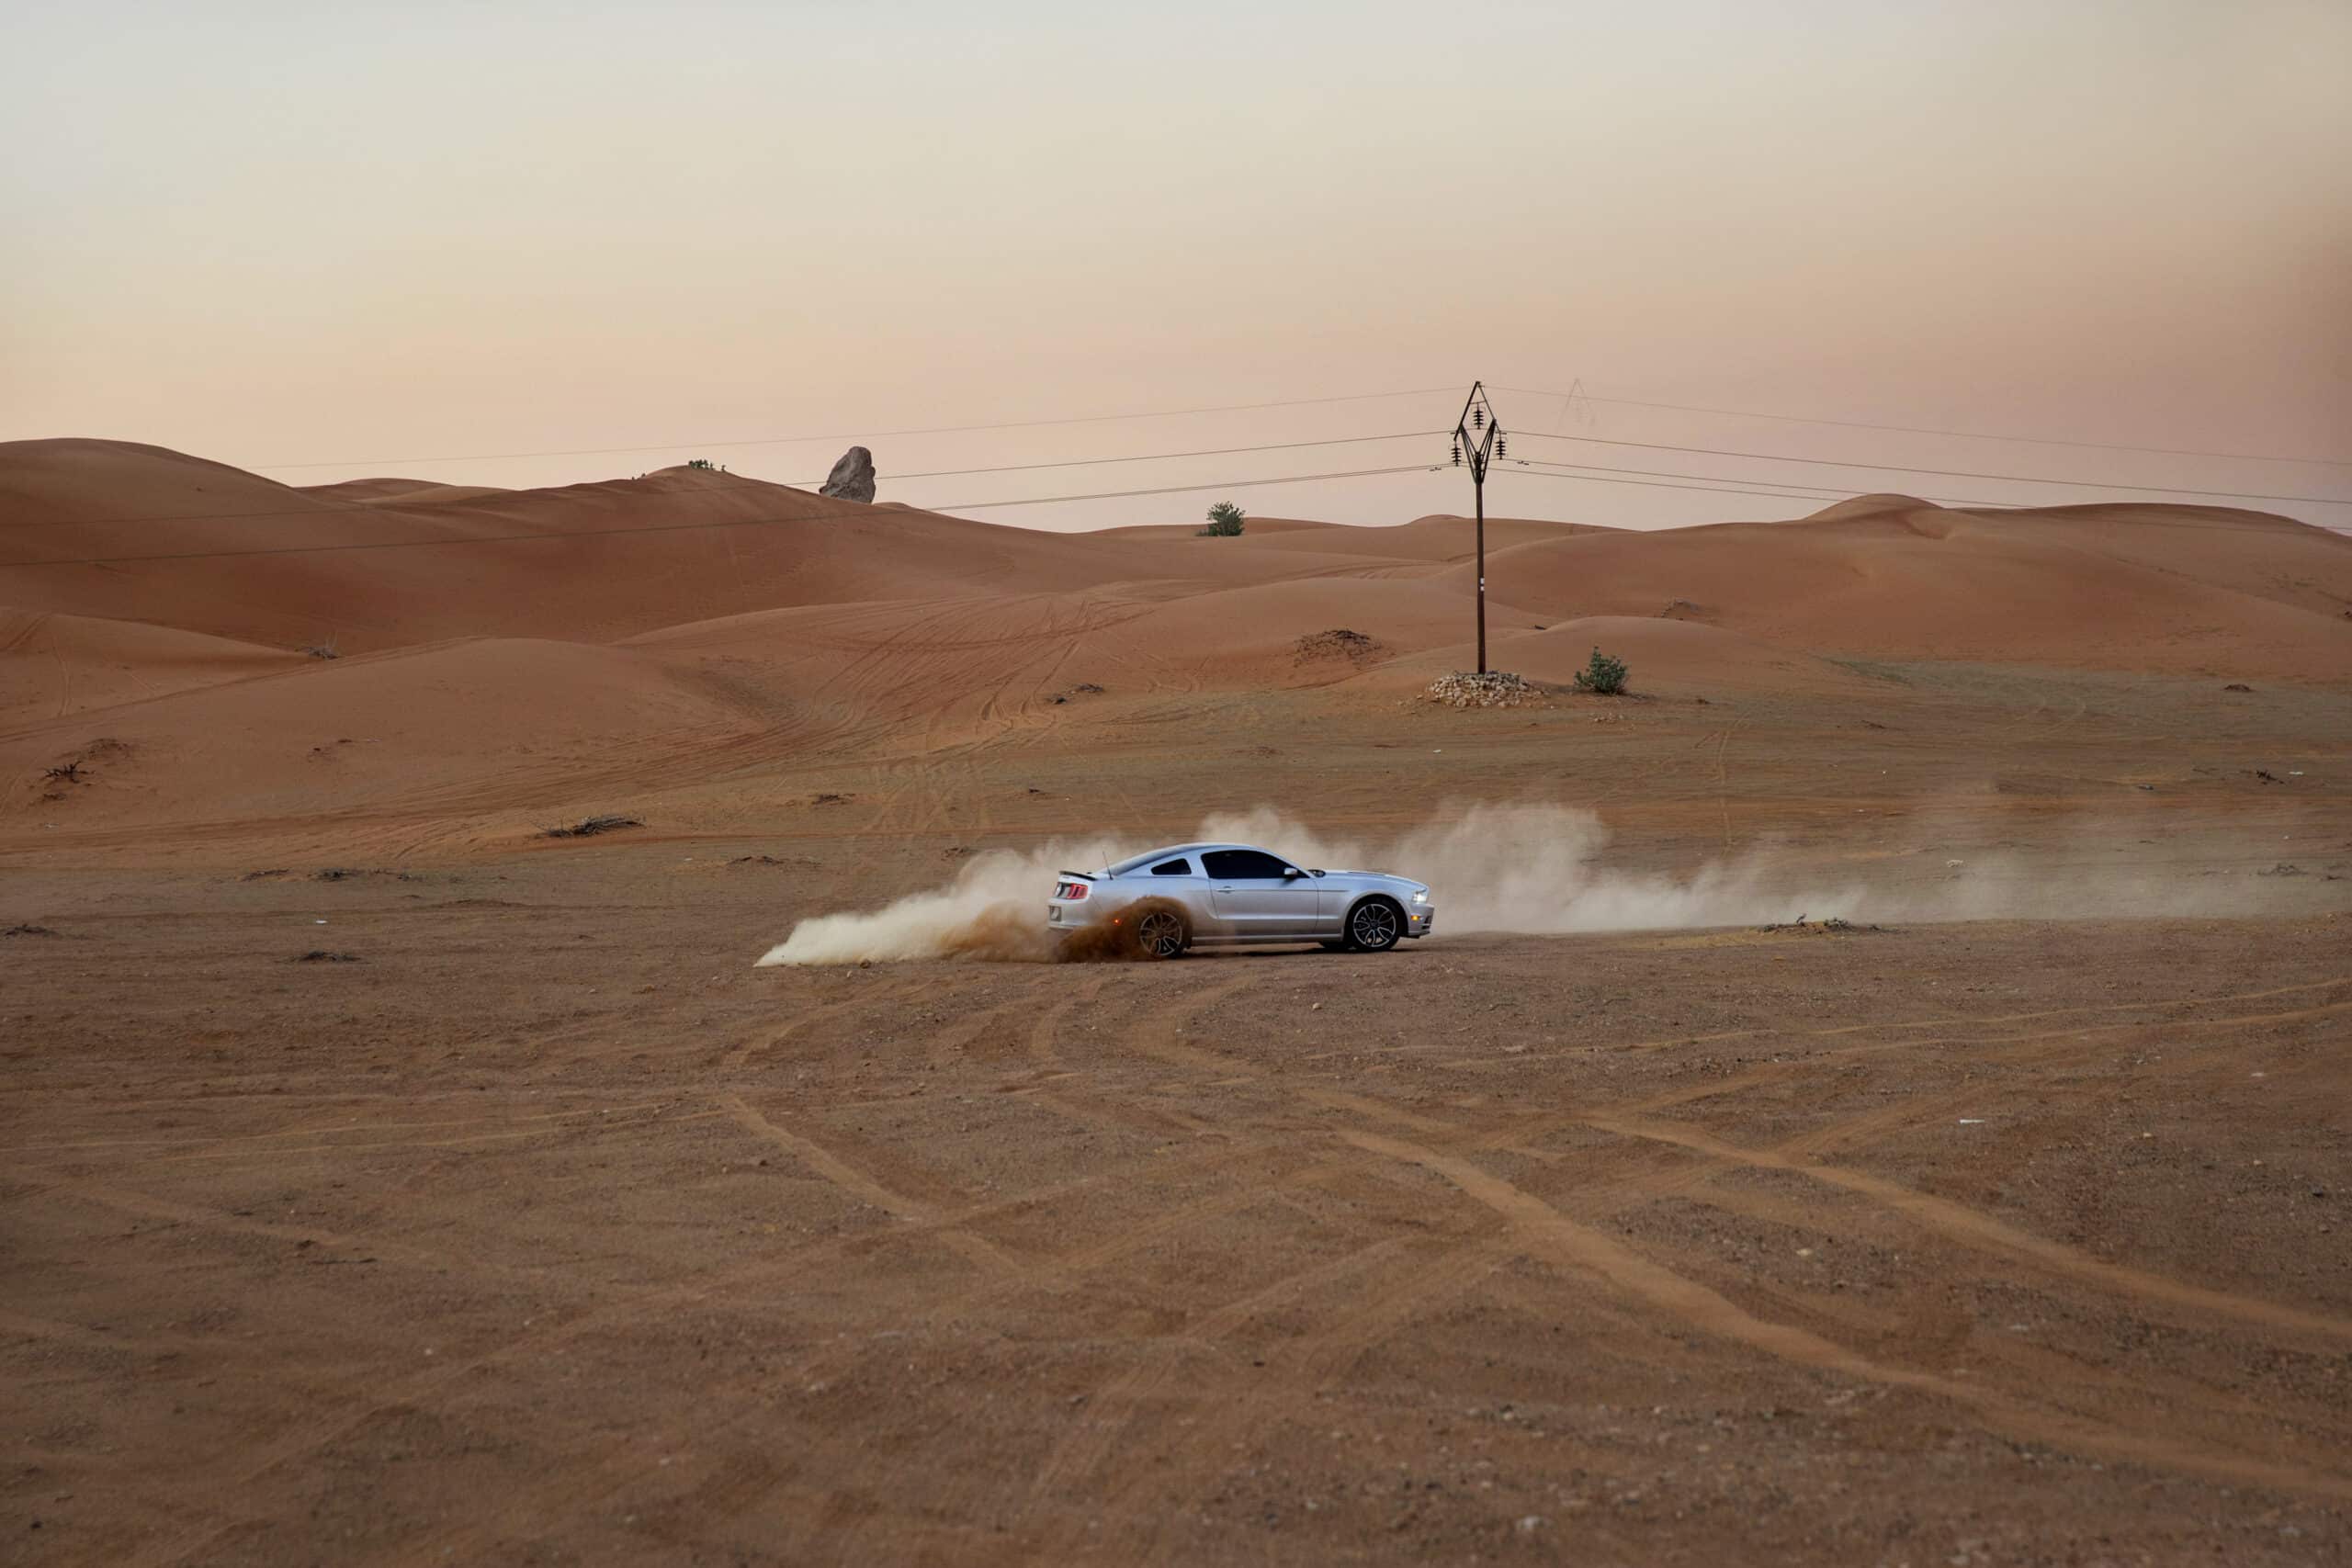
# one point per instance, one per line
(325, 242)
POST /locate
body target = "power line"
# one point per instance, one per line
(1709, 482)
(1925, 430)
(1941, 473)
(1543, 471)
(866, 436)
(1534, 471)
(861, 511)
(1159, 456)
(1181, 489)
(391, 507)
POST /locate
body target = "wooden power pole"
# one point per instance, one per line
(1479, 436)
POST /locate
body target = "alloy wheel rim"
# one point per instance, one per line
(1161, 934)
(1375, 924)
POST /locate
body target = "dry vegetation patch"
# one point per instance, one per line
(589, 827)
(1339, 642)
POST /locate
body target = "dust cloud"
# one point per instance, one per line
(1536, 870)
(994, 909)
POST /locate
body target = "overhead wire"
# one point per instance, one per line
(1941, 473)
(1538, 473)
(544, 536)
(391, 503)
(865, 435)
(1537, 468)
(1929, 430)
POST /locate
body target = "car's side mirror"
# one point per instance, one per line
(1291, 870)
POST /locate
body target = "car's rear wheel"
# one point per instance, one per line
(1374, 926)
(1161, 933)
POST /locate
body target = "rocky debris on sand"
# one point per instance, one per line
(321, 955)
(853, 477)
(1338, 643)
(2237, 686)
(28, 930)
(1495, 689)
(1829, 927)
(2284, 868)
(589, 827)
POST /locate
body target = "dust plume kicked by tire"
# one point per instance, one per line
(1009, 933)
(1116, 940)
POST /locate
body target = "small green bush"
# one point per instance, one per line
(1225, 521)
(1604, 674)
(702, 463)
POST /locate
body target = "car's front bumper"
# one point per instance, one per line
(1420, 919)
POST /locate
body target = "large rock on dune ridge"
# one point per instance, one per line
(853, 477)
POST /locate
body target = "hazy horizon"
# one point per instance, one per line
(325, 244)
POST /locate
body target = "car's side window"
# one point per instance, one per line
(1235, 865)
(1177, 867)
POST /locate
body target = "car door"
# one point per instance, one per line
(1252, 898)
(1179, 879)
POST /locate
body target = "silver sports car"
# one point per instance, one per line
(1218, 895)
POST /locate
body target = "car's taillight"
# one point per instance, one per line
(1070, 889)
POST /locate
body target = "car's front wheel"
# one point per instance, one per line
(1374, 926)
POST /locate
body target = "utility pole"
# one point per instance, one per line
(1480, 434)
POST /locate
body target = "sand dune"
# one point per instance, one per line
(2156, 588)
(376, 490)
(1673, 658)
(234, 555)
(486, 725)
(1435, 538)
(526, 649)
(243, 557)
(53, 666)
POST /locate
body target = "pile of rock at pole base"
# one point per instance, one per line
(1493, 689)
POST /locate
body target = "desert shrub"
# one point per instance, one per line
(1225, 521)
(1605, 674)
(702, 463)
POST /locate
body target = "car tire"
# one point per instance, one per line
(1162, 933)
(1375, 925)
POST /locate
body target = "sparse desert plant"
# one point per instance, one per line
(589, 827)
(704, 464)
(322, 650)
(1605, 674)
(1225, 521)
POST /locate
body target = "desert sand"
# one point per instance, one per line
(1880, 1092)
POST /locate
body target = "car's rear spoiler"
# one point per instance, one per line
(1082, 876)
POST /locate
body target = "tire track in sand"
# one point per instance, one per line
(1956, 1222)
(1548, 1233)
(1295, 1373)
(969, 1245)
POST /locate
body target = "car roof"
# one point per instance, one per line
(1147, 856)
